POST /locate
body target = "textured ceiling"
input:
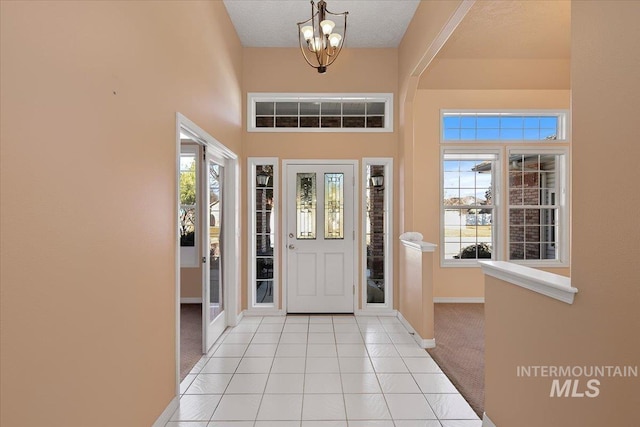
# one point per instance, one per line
(524, 29)
(272, 23)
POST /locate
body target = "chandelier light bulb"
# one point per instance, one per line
(327, 26)
(315, 44)
(307, 32)
(334, 39)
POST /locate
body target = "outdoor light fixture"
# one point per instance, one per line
(319, 43)
(262, 179)
(377, 181)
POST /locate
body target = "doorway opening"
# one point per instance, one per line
(206, 242)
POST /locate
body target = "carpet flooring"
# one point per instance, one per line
(459, 333)
(190, 337)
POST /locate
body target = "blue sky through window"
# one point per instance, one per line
(499, 127)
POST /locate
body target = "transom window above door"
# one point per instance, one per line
(291, 112)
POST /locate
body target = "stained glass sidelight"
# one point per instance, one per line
(306, 205)
(334, 205)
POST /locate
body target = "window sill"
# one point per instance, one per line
(542, 282)
(541, 263)
(320, 130)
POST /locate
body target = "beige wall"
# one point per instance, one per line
(449, 281)
(191, 282)
(429, 20)
(497, 73)
(425, 26)
(284, 70)
(416, 290)
(89, 96)
(600, 328)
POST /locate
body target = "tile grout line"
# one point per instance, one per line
(385, 329)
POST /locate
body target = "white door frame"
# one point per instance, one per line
(231, 210)
(285, 219)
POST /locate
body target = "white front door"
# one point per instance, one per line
(320, 238)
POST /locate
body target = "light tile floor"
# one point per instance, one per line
(319, 371)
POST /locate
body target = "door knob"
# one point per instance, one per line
(291, 247)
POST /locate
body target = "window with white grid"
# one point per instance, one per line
(516, 126)
(505, 184)
(291, 112)
(535, 209)
(468, 206)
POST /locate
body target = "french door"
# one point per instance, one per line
(213, 316)
(320, 238)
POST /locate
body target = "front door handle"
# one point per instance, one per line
(291, 247)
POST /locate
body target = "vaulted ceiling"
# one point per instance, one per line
(491, 29)
(272, 23)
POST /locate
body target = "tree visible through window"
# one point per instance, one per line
(187, 214)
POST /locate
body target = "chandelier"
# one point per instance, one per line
(319, 44)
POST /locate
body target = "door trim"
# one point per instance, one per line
(355, 213)
(232, 243)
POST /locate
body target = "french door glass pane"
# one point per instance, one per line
(215, 240)
(334, 205)
(306, 198)
(187, 199)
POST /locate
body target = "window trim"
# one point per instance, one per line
(253, 97)
(496, 221)
(564, 126)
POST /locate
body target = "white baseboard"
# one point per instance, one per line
(163, 419)
(377, 312)
(191, 300)
(430, 343)
(239, 317)
(423, 343)
(264, 312)
(486, 422)
(459, 300)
